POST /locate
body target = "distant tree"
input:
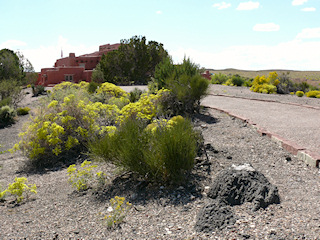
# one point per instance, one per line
(10, 66)
(133, 62)
(97, 74)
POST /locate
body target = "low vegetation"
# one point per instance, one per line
(271, 84)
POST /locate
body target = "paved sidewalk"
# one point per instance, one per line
(296, 128)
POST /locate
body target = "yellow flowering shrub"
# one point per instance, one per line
(79, 177)
(300, 93)
(20, 188)
(145, 108)
(111, 90)
(63, 126)
(117, 211)
(265, 85)
(313, 94)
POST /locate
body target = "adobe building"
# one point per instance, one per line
(72, 68)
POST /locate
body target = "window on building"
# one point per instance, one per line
(68, 78)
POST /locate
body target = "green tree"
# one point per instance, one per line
(133, 62)
(10, 66)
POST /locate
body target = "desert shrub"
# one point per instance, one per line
(6, 102)
(164, 152)
(219, 78)
(92, 87)
(237, 80)
(264, 85)
(313, 94)
(135, 95)
(117, 211)
(23, 111)
(10, 92)
(147, 107)
(7, 116)
(299, 93)
(248, 83)
(37, 90)
(188, 91)
(79, 178)
(19, 189)
(62, 129)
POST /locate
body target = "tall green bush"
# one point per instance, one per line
(185, 83)
(7, 116)
(163, 152)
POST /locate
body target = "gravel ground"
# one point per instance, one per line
(59, 212)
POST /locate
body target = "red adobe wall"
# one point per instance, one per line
(80, 68)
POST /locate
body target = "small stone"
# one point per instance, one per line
(204, 126)
(168, 231)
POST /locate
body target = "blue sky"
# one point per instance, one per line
(248, 35)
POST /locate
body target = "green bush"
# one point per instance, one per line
(313, 94)
(6, 102)
(23, 111)
(299, 93)
(185, 84)
(219, 78)
(37, 90)
(10, 92)
(7, 116)
(163, 152)
(135, 95)
(92, 87)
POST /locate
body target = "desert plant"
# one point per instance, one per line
(23, 111)
(264, 85)
(92, 87)
(164, 152)
(6, 102)
(313, 94)
(117, 211)
(7, 116)
(62, 127)
(20, 188)
(79, 178)
(188, 92)
(37, 90)
(185, 83)
(1, 152)
(299, 93)
(219, 78)
(135, 94)
(10, 92)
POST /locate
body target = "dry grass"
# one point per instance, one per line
(312, 77)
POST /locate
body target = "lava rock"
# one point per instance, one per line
(241, 184)
(214, 216)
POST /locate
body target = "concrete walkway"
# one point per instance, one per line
(296, 127)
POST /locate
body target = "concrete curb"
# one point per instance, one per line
(310, 158)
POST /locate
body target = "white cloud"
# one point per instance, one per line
(46, 56)
(222, 5)
(309, 9)
(266, 27)
(309, 33)
(158, 12)
(292, 55)
(10, 44)
(298, 2)
(248, 5)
